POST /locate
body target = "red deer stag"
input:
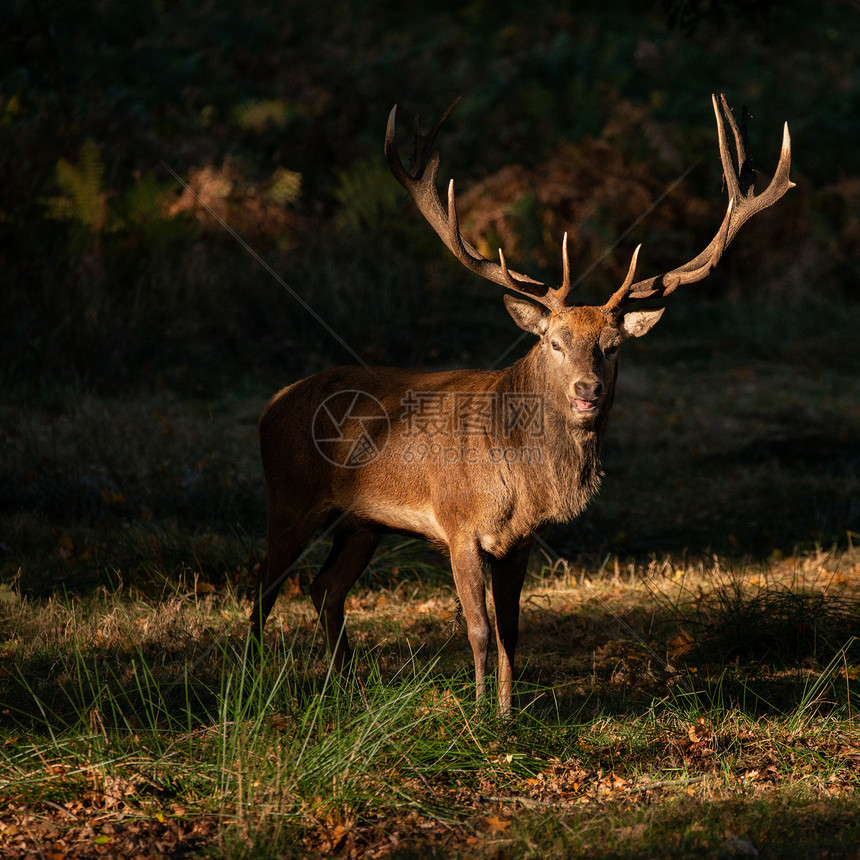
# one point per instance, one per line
(475, 461)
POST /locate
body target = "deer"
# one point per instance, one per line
(477, 462)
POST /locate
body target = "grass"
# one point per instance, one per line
(150, 726)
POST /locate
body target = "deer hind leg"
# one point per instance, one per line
(468, 569)
(507, 575)
(350, 554)
(284, 548)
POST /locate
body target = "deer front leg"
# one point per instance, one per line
(467, 567)
(508, 574)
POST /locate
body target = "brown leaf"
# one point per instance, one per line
(681, 644)
(699, 732)
(496, 824)
(70, 551)
(66, 546)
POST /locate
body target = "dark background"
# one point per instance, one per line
(139, 337)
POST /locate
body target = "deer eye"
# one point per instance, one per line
(555, 346)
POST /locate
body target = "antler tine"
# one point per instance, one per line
(421, 185)
(620, 295)
(562, 292)
(743, 204)
(473, 261)
(738, 183)
(430, 139)
(555, 297)
(506, 274)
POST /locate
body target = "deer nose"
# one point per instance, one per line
(588, 390)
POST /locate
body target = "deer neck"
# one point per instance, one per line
(569, 471)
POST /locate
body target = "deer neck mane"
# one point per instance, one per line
(569, 468)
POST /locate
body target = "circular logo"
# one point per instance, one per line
(350, 428)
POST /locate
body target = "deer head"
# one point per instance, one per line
(578, 347)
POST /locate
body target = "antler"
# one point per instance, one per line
(743, 204)
(420, 182)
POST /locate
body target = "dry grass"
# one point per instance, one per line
(119, 712)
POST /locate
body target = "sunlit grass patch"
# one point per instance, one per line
(155, 717)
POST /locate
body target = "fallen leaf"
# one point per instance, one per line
(496, 824)
(681, 644)
(699, 732)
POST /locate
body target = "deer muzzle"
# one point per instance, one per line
(586, 396)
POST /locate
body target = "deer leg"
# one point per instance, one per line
(467, 567)
(351, 551)
(284, 547)
(507, 575)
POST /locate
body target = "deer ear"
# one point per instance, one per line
(637, 323)
(529, 316)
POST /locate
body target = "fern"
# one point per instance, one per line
(285, 187)
(84, 200)
(366, 195)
